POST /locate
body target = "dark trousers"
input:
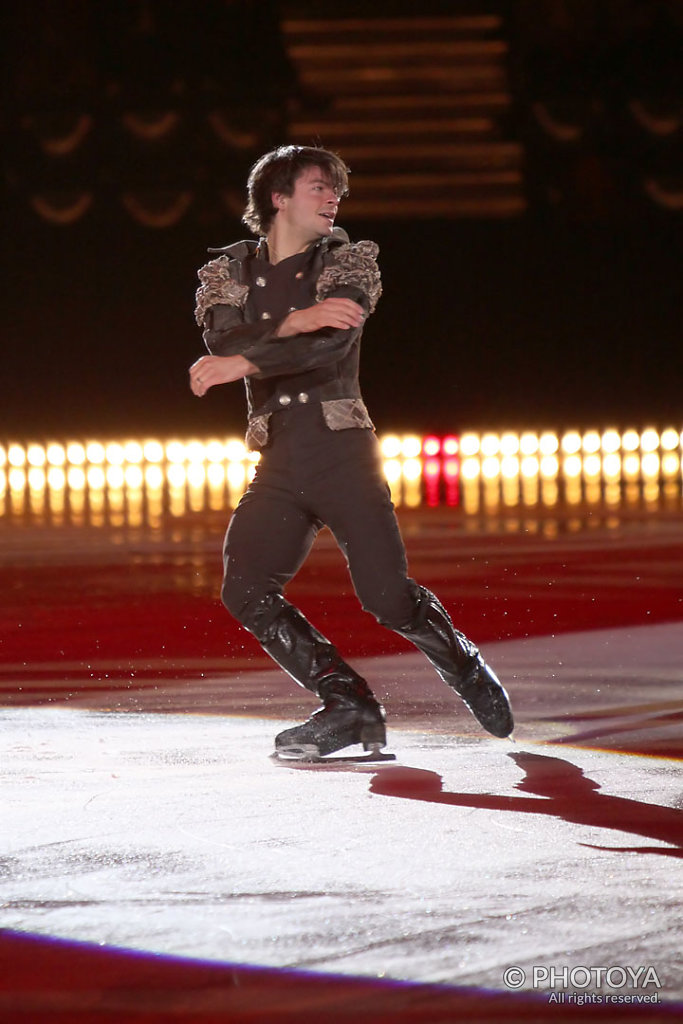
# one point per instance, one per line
(310, 476)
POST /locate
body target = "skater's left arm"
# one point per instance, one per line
(350, 283)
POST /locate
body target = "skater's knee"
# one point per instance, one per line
(393, 607)
(254, 607)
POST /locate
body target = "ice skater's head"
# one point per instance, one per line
(300, 184)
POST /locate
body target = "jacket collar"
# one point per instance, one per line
(240, 250)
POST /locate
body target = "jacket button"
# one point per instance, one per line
(261, 282)
(299, 275)
(284, 399)
(265, 316)
(302, 397)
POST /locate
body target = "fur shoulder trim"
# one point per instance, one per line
(353, 263)
(218, 288)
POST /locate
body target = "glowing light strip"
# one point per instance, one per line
(482, 446)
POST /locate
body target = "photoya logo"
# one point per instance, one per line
(550, 977)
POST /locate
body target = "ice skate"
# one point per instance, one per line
(460, 665)
(483, 694)
(343, 721)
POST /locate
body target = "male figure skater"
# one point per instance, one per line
(286, 313)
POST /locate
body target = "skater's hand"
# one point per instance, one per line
(211, 370)
(340, 313)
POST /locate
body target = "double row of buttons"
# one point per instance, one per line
(302, 397)
(267, 316)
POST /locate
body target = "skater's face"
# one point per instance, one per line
(311, 209)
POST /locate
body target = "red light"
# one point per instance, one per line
(431, 446)
(432, 467)
(450, 445)
(451, 468)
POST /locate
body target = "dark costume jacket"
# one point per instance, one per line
(242, 301)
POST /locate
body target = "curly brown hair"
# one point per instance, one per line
(278, 170)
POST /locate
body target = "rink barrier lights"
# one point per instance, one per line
(138, 481)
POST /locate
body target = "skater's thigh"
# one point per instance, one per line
(267, 541)
(361, 516)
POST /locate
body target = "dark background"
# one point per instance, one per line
(568, 315)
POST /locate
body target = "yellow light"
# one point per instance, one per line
(470, 469)
(611, 466)
(390, 446)
(115, 477)
(215, 451)
(75, 453)
(133, 452)
(75, 478)
(670, 439)
(509, 444)
(16, 456)
(529, 466)
(631, 465)
(3, 456)
(591, 442)
(412, 469)
(528, 444)
(35, 455)
(550, 466)
(236, 451)
(392, 470)
(195, 452)
(177, 476)
(671, 464)
(469, 445)
(610, 441)
(411, 446)
(95, 453)
(114, 454)
(56, 478)
(571, 442)
(36, 478)
(571, 467)
(56, 455)
(153, 451)
(196, 474)
(649, 440)
(592, 466)
(548, 443)
(215, 474)
(154, 477)
(16, 479)
(630, 441)
(96, 478)
(236, 474)
(175, 451)
(134, 477)
(490, 444)
(490, 467)
(509, 467)
(649, 464)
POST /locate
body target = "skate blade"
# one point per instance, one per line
(311, 756)
(300, 752)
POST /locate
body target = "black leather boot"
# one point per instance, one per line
(349, 713)
(460, 665)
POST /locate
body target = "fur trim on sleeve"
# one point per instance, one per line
(355, 264)
(218, 288)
